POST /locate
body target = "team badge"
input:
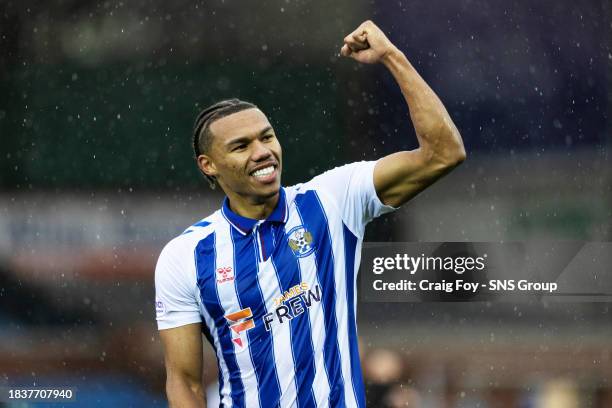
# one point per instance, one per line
(300, 241)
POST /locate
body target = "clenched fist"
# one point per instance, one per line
(367, 44)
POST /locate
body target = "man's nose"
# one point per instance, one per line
(260, 151)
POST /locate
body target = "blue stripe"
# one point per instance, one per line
(350, 247)
(260, 340)
(205, 256)
(314, 219)
(197, 224)
(301, 338)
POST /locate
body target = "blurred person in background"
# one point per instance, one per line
(383, 369)
(401, 396)
(270, 278)
(557, 393)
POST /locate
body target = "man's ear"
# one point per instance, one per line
(207, 166)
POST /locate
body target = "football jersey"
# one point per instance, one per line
(277, 297)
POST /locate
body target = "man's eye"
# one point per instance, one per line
(268, 137)
(239, 147)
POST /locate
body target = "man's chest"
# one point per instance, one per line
(271, 277)
(268, 268)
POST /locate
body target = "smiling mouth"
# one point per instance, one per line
(265, 173)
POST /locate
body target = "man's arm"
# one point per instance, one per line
(183, 357)
(402, 175)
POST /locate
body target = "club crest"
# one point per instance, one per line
(300, 241)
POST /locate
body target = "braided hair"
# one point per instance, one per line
(202, 136)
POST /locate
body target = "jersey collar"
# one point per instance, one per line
(244, 225)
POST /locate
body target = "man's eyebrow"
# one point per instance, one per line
(246, 139)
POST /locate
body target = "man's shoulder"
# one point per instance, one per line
(203, 225)
(189, 238)
(329, 179)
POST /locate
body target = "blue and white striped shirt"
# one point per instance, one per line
(277, 297)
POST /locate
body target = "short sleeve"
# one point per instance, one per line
(175, 289)
(351, 187)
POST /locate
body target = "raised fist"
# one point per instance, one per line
(367, 44)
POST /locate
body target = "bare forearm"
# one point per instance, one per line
(400, 176)
(182, 393)
(437, 134)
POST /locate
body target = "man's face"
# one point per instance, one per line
(245, 156)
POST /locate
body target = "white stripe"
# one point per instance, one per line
(356, 271)
(337, 245)
(281, 336)
(230, 304)
(308, 268)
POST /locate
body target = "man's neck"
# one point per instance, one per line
(250, 209)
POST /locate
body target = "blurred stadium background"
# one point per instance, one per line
(96, 175)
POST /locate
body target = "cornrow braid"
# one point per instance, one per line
(202, 136)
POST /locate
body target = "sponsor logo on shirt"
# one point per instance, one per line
(241, 321)
(291, 293)
(300, 241)
(225, 274)
(294, 304)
